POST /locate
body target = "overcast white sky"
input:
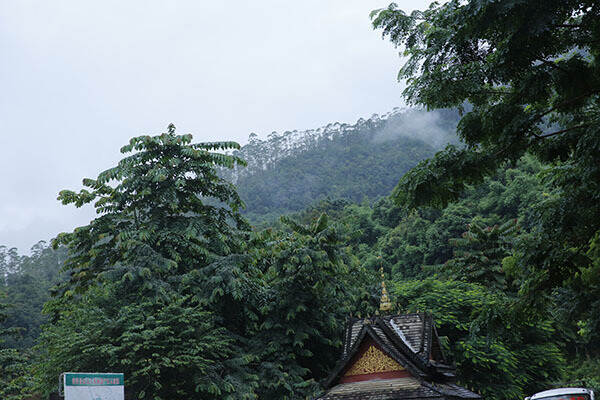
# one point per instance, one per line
(79, 78)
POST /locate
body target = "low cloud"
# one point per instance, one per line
(436, 128)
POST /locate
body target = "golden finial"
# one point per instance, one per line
(384, 302)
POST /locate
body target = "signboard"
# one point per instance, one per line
(91, 386)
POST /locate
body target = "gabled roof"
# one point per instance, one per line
(415, 330)
(411, 340)
(412, 337)
(374, 332)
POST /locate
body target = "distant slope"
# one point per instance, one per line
(290, 171)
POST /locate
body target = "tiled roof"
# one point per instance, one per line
(352, 332)
(406, 388)
(412, 326)
(384, 338)
(370, 328)
(453, 390)
(400, 388)
(416, 331)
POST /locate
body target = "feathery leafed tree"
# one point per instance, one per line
(131, 302)
(526, 76)
(479, 253)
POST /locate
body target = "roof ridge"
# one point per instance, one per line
(400, 343)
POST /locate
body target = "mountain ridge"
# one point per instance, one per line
(287, 172)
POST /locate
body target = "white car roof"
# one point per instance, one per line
(559, 392)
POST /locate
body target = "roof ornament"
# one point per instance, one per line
(384, 302)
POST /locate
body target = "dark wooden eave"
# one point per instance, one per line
(434, 369)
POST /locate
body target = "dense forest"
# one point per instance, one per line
(496, 234)
(290, 171)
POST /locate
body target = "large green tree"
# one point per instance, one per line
(132, 302)
(479, 253)
(527, 78)
(311, 285)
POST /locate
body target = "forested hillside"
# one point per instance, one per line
(289, 171)
(28, 280)
(497, 237)
(457, 263)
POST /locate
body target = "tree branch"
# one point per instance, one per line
(553, 65)
(564, 103)
(567, 26)
(490, 91)
(561, 131)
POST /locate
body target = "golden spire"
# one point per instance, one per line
(384, 302)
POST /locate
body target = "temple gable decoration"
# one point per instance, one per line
(373, 361)
(389, 357)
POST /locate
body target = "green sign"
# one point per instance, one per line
(73, 379)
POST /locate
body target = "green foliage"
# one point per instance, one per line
(585, 370)
(421, 240)
(169, 286)
(27, 287)
(263, 312)
(479, 254)
(131, 302)
(502, 349)
(526, 77)
(13, 363)
(530, 76)
(159, 211)
(26, 281)
(9, 263)
(311, 287)
(441, 179)
(165, 346)
(495, 349)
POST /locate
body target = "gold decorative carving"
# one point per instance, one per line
(373, 361)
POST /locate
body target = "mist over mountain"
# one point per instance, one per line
(289, 171)
(435, 128)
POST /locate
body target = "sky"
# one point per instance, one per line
(80, 78)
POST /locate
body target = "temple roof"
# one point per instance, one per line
(400, 388)
(414, 330)
(408, 345)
